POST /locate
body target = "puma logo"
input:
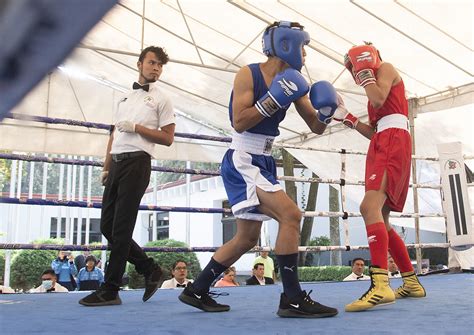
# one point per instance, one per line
(214, 272)
(289, 269)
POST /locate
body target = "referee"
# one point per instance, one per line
(144, 117)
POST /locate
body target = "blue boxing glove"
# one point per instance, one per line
(286, 87)
(323, 97)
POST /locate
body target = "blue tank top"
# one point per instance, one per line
(268, 126)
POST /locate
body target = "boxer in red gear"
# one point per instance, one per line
(387, 172)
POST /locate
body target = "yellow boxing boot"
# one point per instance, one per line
(411, 287)
(378, 294)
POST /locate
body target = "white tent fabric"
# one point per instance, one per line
(430, 43)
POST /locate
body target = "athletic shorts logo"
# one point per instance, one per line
(372, 177)
(372, 239)
(289, 269)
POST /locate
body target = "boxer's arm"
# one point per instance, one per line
(351, 121)
(309, 115)
(244, 114)
(378, 92)
(365, 130)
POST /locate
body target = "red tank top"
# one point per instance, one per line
(395, 103)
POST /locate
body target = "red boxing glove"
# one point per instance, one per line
(343, 115)
(362, 61)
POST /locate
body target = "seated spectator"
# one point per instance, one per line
(358, 266)
(228, 279)
(393, 271)
(65, 269)
(6, 290)
(49, 283)
(267, 263)
(80, 260)
(258, 277)
(180, 274)
(90, 277)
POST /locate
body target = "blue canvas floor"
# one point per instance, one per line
(447, 309)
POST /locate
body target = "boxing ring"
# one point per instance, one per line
(448, 307)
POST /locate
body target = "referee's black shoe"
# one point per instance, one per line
(202, 300)
(302, 306)
(153, 281)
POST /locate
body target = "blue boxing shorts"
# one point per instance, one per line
(242, 172)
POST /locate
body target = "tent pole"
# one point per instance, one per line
(412, 103)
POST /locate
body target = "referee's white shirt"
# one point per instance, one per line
(353, 276)
(152, 109)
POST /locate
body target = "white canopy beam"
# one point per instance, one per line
(412, 38)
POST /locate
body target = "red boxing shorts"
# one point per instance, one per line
(390, 151)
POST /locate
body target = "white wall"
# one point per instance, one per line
(25, 223)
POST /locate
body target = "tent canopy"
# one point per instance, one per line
(208, 41)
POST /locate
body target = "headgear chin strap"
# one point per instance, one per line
(285, 40)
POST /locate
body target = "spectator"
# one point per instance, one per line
(258, 277)
(180, 274)
(358, 266)
(65, 269)
(49, 283)
(267, 263)
(90, 277)
(228, 279)
(80, 260)
(393, 271)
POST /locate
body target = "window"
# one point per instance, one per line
(94, 230)
(162, 226)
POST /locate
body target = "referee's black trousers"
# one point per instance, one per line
(124, 189)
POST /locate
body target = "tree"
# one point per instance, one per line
(334, 232)
(290, 187)
(2, 266)
(317, 241)
(4, 174)
(166, 260)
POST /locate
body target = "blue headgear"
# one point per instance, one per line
(285, 40)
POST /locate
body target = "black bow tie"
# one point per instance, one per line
(137, 86)
(359, 277)
(395, 273)
(180, 285)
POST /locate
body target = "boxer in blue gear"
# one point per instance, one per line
(261, 96)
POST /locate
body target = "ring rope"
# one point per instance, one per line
(31, 158)
(84, 204)
(95, 125)
(71, 247)
(342, 181)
